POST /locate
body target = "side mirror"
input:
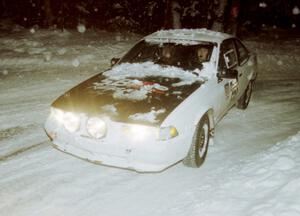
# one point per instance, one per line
(228, 74)
(114, 61)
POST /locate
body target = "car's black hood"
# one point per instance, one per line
(147, 100)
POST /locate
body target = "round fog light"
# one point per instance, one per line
(71, 122)
(96, 127)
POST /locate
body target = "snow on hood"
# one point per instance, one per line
(207, 71)
(110, 108)
(127, 74)
(137, 93)
(140, 70)
(149, 117)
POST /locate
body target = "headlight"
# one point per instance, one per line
(96, 127)
(166, 133)
(140, 132)
(70, 120)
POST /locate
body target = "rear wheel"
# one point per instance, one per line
(198, 149)
(243, 102)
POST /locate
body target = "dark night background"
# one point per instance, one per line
(147, 16)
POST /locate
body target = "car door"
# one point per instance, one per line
(245, 67)
(228, 59)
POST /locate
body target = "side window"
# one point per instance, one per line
(242, 52)
(228, 56)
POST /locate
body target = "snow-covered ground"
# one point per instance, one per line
(253, 168)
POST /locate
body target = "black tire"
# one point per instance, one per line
(199, 146)
(243, 102)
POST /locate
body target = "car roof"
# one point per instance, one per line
(187, 36)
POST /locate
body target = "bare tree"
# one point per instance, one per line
(231, 24)
(218, 24)
(48, 13)
(172, 15)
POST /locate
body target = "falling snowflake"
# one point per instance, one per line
(296, 10)
(47, 56)
(5, 72)
(81, 28)
(263, 4)
(75, 63)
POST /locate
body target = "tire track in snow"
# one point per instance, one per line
(22, 150)
(20, 138)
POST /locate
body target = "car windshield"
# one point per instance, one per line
(188, 57)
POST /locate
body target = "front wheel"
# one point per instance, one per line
(198, 149)
(243, 102)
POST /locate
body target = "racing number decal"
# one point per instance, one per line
(231, 89)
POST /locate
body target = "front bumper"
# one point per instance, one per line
(117, 149)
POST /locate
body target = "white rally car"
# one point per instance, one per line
(158, 104)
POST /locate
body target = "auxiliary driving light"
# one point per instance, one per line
(71, 122)
(96, 127)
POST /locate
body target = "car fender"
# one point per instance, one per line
(185, 118)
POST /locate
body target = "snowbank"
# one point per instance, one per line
(267, 183)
